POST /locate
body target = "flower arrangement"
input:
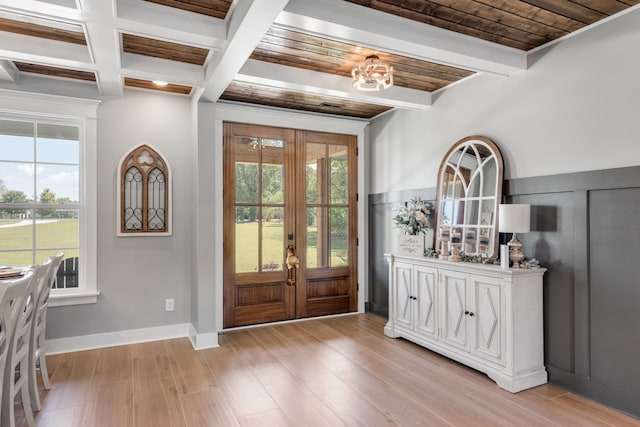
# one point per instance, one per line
(414, 217)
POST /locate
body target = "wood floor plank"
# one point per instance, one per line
(595, 410)
(318, 372)
(155, 394)
(191, 371)
(66, 417)
(71, 380)
(295, 398)
(391, 401)
(208, 408)
(274, 418)
(248, 347)
(115, 364)
(336, 394)
(234, 375)
(109, 404)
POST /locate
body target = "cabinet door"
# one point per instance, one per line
(487, 339)
(426, 307)
(454, 297)
(402, 291)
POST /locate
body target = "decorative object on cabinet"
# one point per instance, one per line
(515, 218)
(414, 217)
(469, 191)
(144, 199)
(483, 316)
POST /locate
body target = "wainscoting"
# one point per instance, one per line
(585, 229)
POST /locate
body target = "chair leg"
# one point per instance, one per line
(44, 372)
(26, 404)
(8, 412)
(42, 361)
(33, 383)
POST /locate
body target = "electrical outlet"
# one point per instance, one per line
(168, 304)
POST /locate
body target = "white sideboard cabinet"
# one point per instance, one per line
(484, 316)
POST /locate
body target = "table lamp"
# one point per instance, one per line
(514, 219)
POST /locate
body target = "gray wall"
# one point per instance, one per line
(136, 274)
(585, 232)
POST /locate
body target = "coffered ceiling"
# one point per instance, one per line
(295, 54)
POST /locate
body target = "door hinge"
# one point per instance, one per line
(357, 196)
(356, 151)
(357, 241)
(357, 286)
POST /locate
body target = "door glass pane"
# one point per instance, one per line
(272, 171)
(272, 239)
(339, 225)
(338, 186)
(246, 239)
(316, 168)
(246, 169)
(313, 258)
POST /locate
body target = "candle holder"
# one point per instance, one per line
(444, 243)
(456, 242)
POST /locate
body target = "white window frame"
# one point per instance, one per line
(83, 113)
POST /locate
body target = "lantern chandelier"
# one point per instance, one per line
(372, 75)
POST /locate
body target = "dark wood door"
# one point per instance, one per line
(288, 188)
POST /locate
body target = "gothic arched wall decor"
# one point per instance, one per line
(144, 193)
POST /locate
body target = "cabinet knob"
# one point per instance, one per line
(471, 313)
(466, 312)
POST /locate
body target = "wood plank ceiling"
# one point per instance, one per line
(517, 24)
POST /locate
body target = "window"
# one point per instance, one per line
(45, 202)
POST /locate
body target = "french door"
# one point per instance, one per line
(288, 188)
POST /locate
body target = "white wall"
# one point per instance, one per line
(576, 108)
(137, 274)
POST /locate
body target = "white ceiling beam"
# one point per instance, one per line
(171, 24)
(104, 44)
(8, 71)
(53, 86)
(48, 9)
(146, 67)
(250, 19)
(313, 82)
(44, 51)
(368, 27)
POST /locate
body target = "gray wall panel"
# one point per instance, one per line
(551, 242)
(615, 292)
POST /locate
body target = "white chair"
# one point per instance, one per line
(37, 355)
(12, 294)
(17, 311)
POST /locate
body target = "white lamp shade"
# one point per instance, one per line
(514, 218)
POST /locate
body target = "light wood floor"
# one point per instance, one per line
(322, 372)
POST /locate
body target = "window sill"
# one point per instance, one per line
(73, 298)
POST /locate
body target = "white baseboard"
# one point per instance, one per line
(132, 336)
(202, 341)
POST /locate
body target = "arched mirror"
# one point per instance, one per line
(469, 192)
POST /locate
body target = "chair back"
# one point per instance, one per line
(13, 295)
(44, 290)
(41, 289)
